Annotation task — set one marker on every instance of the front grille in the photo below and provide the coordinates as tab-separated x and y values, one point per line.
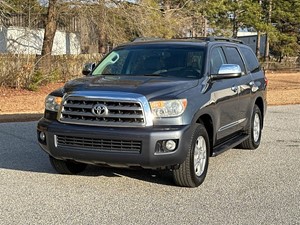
78	110
99	144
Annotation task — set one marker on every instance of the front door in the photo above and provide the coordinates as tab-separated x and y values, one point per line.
225	93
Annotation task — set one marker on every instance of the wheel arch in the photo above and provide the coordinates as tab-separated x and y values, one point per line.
260	103
207	122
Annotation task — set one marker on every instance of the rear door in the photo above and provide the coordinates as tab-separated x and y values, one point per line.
251	82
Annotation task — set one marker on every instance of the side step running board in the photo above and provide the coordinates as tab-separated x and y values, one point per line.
229	144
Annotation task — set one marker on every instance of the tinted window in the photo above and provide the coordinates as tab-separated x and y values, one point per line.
216	60
251	60
234	57
179	61
116	63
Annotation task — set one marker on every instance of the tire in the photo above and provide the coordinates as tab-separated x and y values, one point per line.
192	172
67	167
254	130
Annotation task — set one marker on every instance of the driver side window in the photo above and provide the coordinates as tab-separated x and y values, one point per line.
217	59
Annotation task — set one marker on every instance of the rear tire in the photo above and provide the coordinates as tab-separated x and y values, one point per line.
192	172
254	130
67	167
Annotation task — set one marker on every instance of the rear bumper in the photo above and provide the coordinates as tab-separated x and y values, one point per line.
147	157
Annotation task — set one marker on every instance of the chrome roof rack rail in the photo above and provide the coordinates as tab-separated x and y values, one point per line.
141	39
214	38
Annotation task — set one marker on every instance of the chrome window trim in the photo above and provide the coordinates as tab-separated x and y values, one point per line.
230	125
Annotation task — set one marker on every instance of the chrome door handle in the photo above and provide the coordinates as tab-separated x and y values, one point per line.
254	87
234	88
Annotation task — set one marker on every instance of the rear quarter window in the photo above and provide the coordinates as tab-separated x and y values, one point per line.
251	60
234	57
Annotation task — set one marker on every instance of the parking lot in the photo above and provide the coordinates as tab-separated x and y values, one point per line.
242	187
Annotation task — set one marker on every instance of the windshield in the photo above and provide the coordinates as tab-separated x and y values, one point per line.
148	60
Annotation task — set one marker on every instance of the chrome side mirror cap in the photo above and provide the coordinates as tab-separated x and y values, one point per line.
227	71
230	69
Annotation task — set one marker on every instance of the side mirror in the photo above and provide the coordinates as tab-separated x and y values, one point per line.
227	71
88	68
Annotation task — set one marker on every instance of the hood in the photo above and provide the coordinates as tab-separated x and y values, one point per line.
149	86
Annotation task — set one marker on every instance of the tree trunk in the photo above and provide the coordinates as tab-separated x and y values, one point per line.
258	36
267	51
235	25
50	29
102	30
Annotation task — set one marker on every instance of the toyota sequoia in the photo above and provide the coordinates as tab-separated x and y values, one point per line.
158	104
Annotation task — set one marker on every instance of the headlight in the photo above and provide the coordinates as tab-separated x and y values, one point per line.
170	108
52	103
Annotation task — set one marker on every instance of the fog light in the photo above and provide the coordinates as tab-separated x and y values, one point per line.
166	146
170	145
42	136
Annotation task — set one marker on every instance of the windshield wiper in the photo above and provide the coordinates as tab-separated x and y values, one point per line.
109	74
153	75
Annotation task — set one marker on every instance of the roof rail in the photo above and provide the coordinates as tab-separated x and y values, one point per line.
210	38
140	39
215	38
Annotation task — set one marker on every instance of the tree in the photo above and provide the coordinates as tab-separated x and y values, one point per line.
44	62
120	21
24	13
3	9
165	18
50	28
219	17
231	15
286	19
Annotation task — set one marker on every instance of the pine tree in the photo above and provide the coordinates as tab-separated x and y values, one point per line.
286	20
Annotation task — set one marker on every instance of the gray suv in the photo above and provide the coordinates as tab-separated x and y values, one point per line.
158	104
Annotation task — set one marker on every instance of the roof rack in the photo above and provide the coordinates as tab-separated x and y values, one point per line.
215	38
210	39
140	39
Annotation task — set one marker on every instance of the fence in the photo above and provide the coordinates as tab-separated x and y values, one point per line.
70	23
282	66
20	71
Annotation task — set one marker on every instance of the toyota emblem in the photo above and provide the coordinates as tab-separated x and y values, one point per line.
100	110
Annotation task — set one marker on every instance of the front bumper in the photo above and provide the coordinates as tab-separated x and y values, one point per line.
147	157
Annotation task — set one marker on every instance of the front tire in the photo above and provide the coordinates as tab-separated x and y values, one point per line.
254	130
67	167
192	172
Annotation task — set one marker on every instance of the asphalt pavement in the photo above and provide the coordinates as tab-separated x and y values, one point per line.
242	187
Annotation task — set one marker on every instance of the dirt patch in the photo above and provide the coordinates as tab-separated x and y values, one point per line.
24	101
283	88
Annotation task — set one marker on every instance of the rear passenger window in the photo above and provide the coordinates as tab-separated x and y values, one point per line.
251	60
234	57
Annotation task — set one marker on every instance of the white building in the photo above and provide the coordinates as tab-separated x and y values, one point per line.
20	40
